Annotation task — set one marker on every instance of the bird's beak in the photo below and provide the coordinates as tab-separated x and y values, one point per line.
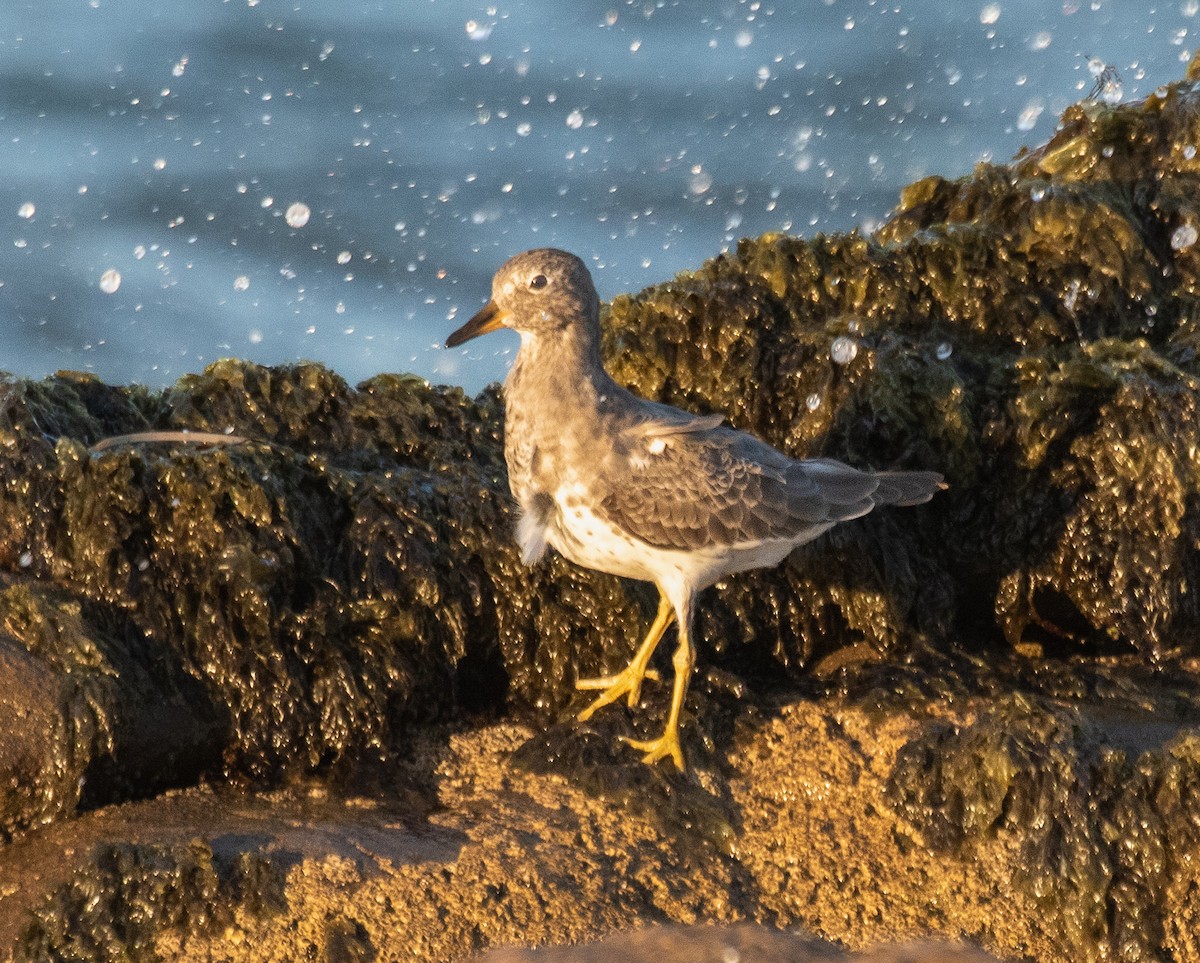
489	318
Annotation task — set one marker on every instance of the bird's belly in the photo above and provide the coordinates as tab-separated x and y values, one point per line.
588	540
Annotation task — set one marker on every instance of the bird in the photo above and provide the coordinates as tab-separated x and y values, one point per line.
636	488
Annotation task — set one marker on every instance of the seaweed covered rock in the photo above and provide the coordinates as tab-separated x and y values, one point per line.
129	894
289	605
1107	836
85	712
1107	523
1031	331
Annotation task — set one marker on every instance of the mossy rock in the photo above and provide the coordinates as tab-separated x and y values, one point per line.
1106	836
127	894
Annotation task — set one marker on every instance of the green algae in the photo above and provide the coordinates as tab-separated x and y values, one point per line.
51	627
127	894
111	695
319	596
1106	835
1108	423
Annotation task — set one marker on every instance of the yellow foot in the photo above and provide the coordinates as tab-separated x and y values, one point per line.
655	749
629	680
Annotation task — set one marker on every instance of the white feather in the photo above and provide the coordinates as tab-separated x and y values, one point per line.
531	536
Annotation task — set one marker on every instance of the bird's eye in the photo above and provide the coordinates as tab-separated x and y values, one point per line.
538	281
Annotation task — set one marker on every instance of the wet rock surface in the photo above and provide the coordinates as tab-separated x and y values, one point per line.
713	944
296	698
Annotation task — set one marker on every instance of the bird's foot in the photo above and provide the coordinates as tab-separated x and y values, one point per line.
655	749
626	682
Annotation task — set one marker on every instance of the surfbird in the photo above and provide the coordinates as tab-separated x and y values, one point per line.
644	490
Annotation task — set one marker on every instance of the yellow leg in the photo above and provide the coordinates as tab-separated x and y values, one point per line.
629	680
668	743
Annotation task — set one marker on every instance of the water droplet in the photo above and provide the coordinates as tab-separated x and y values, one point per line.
26	559
1184	237
1037	193
989	14
479	31
241	282
1071	296
297	214
110	280
813	402
575	119
1029	115
1189	152
343	257
523	129
843	350
26	210
944	350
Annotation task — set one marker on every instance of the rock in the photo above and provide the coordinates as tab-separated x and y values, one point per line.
84	722
467	853
713	944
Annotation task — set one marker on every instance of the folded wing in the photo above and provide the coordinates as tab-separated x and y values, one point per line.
697	487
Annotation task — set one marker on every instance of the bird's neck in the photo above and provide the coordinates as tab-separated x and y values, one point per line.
557	368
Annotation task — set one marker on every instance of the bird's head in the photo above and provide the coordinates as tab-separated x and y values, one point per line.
535	293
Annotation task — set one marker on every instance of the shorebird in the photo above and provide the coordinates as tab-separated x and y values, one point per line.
641	489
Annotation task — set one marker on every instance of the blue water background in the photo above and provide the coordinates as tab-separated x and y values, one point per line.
165	140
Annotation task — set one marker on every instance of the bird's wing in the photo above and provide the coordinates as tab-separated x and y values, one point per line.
712	487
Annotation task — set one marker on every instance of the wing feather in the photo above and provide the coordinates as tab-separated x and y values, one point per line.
706	486
710	486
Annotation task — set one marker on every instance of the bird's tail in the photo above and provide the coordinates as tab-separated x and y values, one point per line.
906	487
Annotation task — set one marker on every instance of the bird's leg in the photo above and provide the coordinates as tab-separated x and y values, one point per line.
668	743
630	679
